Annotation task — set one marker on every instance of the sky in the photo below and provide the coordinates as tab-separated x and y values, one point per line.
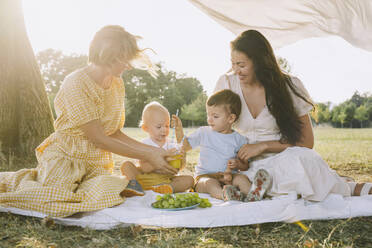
189	42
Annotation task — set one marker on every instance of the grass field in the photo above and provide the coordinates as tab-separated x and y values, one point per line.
348	151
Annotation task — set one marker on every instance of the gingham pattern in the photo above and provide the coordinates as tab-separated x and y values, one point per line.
72	174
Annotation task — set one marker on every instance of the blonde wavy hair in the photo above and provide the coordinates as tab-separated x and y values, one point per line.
149	109
112	44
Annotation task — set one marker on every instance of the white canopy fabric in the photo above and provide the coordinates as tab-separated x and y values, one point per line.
287	21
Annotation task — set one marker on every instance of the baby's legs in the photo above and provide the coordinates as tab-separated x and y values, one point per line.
129	170
211	186
182	183
242	182
133	188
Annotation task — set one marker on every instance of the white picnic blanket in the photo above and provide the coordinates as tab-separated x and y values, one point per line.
138	210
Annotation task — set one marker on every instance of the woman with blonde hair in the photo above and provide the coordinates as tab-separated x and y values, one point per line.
74	171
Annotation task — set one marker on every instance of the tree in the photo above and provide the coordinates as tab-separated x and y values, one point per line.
321	113
168	88
361	114
25	115
195	112
284	65
341	118
349	110
55	66
357	99
334	115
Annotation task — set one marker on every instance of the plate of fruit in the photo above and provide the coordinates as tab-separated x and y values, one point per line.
177	202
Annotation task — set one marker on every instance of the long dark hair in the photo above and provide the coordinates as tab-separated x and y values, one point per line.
275	82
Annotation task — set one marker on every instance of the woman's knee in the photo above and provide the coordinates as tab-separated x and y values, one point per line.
303	153
239	178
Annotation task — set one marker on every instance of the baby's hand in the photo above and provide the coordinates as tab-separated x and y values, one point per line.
233	164
176	122
227	176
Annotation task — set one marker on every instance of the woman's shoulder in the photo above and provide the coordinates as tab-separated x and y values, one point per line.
75	80
227	81
302	107
298	84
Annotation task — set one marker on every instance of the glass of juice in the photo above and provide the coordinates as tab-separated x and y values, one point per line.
177	159
176	163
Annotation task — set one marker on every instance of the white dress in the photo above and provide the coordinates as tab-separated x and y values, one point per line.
296	169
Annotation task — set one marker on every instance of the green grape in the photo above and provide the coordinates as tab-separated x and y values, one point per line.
180	201
165	204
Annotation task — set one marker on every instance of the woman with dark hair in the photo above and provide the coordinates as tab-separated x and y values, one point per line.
275	119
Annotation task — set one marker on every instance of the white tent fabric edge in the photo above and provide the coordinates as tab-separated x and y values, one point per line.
287	21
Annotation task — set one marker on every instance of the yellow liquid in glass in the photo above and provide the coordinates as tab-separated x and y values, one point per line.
177	162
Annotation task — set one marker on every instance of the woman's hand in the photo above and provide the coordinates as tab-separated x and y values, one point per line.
159	159
248	151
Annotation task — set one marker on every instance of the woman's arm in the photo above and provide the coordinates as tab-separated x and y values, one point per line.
307	137
146	167
252	150
306	140
123	145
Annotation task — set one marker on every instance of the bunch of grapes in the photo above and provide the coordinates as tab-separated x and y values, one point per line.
180	201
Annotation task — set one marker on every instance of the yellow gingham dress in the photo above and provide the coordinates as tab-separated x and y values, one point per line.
72	175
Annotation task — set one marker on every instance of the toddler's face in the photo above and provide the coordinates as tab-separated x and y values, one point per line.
219	119
158	126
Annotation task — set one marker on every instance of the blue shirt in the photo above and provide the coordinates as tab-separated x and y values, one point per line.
215	149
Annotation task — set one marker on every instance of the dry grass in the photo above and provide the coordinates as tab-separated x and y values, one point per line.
347	151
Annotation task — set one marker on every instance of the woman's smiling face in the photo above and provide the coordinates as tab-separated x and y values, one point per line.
243	67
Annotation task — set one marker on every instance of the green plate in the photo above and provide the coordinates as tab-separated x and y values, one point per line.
176	209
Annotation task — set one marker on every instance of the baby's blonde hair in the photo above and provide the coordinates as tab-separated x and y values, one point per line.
154	105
